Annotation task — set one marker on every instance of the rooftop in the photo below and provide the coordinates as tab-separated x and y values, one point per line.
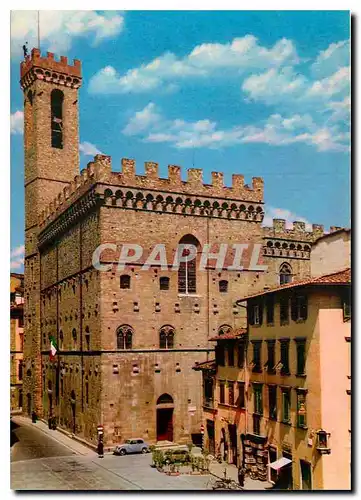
232	335
339	278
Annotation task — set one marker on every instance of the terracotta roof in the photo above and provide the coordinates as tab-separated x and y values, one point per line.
205	365
339	278
234	334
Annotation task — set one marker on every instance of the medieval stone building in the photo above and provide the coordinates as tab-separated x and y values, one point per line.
127	340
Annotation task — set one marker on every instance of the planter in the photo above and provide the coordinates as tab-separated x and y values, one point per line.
173	473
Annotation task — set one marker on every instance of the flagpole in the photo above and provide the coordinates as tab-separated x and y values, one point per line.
39	29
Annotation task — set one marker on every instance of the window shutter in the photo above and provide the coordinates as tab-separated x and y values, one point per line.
294	315
260	306
304	307
250	313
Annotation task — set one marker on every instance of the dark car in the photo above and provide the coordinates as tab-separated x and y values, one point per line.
136	445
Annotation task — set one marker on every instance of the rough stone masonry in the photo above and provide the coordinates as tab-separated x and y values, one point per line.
127	341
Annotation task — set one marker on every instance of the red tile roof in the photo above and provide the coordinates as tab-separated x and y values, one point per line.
205	365
233	334
340	278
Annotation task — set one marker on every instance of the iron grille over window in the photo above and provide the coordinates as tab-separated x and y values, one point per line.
124	337
166	337
57	98
223	286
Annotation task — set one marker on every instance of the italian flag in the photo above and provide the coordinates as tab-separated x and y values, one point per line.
53	348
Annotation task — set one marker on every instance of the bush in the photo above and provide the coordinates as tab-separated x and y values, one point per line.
158	458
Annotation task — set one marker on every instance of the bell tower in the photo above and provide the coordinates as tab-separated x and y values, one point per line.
51	156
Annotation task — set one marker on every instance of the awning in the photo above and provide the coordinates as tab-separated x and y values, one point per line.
278	464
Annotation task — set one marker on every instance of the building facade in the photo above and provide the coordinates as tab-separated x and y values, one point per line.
16	340
277	395
127	340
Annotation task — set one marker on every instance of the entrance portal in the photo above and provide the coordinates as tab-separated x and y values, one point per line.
164	424
165	408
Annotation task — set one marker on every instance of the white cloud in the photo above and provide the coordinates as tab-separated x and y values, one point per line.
275	85
331	85
17	258
287	215
17	122
142	120
89	149
277	130
329	60
59	28
239	56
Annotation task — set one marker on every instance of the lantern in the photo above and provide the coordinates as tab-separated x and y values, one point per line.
322	442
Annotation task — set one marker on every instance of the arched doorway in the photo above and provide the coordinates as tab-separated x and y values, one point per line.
165	408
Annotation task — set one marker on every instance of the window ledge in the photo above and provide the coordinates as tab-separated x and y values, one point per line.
272	419
285	374
271	324
303	427
300	320
286	422
301	375
195	295
284	323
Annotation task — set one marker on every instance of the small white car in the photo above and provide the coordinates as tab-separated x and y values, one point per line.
136	445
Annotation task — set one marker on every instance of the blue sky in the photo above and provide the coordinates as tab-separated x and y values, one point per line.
259	93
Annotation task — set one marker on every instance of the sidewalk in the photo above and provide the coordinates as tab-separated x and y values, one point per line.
61	436
217	469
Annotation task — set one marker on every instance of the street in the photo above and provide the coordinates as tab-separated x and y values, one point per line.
42	459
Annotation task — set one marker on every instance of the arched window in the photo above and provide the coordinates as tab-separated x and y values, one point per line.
87	338
285	273
223	286
166	337
125	281
57	99
124	337
224	329
164	283
187	273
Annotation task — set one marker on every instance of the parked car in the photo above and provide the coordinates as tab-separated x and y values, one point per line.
136	445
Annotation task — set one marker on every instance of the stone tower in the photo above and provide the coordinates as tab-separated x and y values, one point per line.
51	156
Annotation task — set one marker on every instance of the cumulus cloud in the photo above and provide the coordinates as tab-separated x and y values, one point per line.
237	57
142	120
89	149
276	130
58	29
282	213
329	60
17	258
17	122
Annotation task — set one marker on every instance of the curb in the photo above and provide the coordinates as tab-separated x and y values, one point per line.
72	436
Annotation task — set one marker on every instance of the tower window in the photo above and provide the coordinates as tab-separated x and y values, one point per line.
223	286
57	99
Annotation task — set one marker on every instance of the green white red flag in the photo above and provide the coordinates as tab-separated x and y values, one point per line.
53	348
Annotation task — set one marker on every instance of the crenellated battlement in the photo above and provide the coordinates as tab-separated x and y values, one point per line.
95	171
49	69
193	185
297	232
198	199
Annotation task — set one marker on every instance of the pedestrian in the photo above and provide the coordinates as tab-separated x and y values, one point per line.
34	417
100	449
241	475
